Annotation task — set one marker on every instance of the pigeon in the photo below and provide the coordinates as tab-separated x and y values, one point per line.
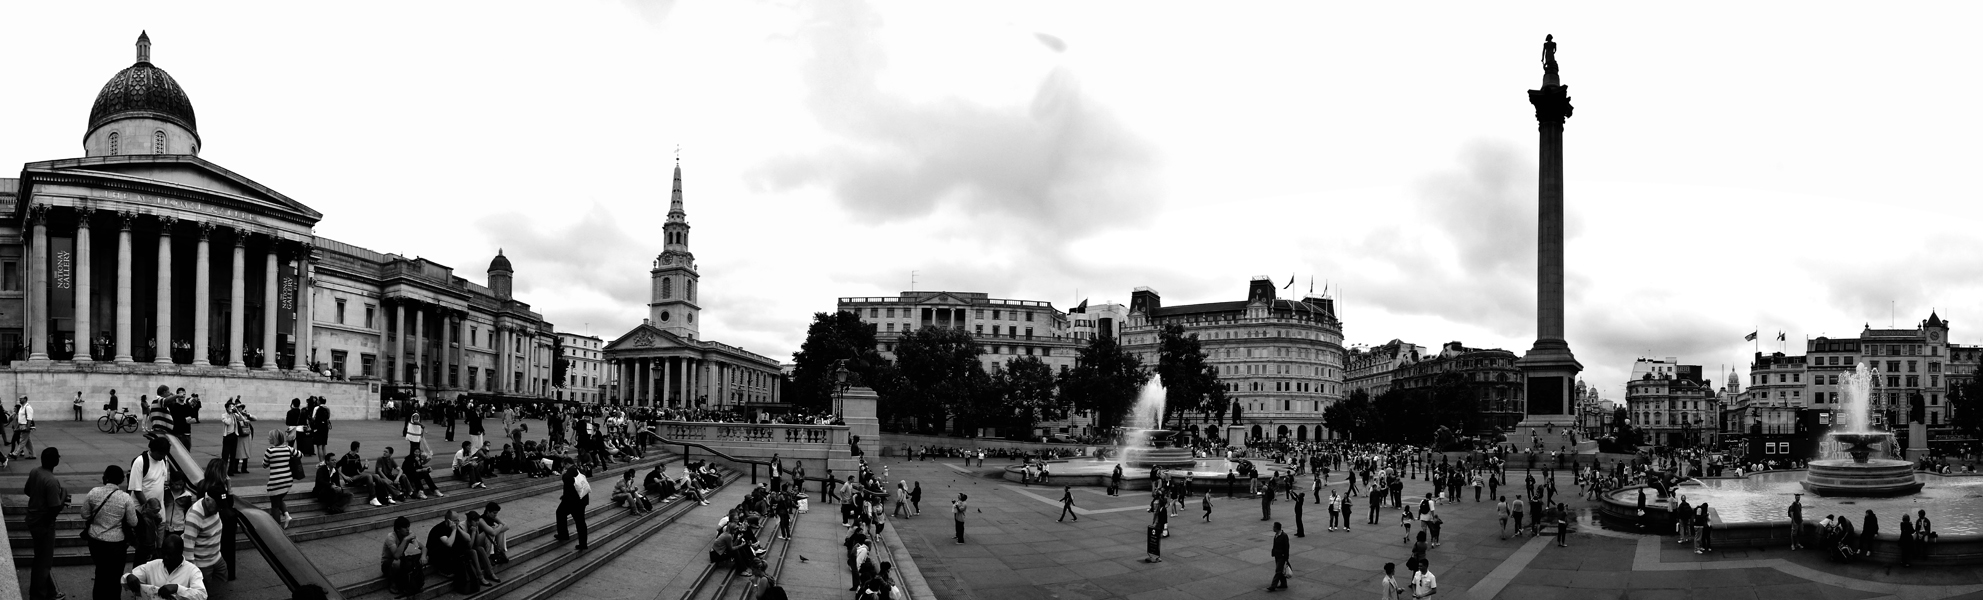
802	558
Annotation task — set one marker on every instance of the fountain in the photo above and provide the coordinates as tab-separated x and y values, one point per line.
1145	443
1861	475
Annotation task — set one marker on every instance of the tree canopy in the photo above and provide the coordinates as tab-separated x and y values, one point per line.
1190	384
1104	381
833	337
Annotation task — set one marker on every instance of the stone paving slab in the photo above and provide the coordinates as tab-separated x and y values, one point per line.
1018	549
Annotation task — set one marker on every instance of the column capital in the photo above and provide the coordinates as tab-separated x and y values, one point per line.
165	224
241	238
83	214
206	229
38	214
124	219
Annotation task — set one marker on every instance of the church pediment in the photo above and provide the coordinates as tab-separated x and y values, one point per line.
179	182
942	299
647	337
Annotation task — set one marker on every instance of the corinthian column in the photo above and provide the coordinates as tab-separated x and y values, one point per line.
398	341
419	346
237	301
124	286
162	343
38	285
85	334
270	283
202	297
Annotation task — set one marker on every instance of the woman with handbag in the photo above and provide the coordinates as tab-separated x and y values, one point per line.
110	513
415	433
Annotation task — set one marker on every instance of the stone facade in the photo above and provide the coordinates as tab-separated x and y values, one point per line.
1281	360
1490	374
142	264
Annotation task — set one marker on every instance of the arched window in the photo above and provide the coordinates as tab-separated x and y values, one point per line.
667	288
113	143
158	142
688	287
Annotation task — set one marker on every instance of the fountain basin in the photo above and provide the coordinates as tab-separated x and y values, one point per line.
1096	473
1873	478
1144	458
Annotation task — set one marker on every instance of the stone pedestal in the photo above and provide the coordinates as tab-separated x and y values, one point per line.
1917	441
856	406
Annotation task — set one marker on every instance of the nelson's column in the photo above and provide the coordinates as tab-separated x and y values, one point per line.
1549	368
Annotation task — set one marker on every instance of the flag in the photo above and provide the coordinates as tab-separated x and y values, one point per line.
1290	282
1083	308
1749	338
1779	336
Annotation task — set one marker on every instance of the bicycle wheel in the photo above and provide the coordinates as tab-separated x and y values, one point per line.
106	425
131	425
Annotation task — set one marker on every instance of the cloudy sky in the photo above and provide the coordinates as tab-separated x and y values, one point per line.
1731	167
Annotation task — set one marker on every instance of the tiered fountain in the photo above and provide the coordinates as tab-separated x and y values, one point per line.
1861	475
1145	443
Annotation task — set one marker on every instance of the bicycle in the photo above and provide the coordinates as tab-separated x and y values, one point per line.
123	419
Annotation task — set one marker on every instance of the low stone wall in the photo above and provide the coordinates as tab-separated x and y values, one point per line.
52	385
818	447
892	444
1946	550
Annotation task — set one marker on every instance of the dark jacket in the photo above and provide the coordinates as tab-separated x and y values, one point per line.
571	488
1280	544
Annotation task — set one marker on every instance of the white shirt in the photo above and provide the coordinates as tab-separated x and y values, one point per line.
149	481
152	575
1423	583
26	414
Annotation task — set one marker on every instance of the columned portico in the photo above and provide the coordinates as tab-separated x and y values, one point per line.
398	342
38	333
419	346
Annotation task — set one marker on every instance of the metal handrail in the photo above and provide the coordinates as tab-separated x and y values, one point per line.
289	563
752	462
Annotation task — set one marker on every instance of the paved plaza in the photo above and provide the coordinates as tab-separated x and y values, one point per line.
1016	550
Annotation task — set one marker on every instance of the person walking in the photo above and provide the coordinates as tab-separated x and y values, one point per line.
1115	480
1562	526
1280	554
1376	503
1501	510
108	509
1519	507
1067	503
957	508
1387	587
1906	540
282	462
1206	502
23	429
578	491
915	496
46	501
1703	529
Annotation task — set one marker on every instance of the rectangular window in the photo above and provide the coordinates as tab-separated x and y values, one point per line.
1796	377
980	330
1913	381
337	363
1029	330
454	376
471	342
1029	316
367	364
340	311
472	372
1893	366
1910	366
994	314
891	328
10	276
891	313
874	313
371	312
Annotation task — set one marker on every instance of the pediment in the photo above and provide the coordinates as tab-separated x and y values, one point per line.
176	178
646	337
942	298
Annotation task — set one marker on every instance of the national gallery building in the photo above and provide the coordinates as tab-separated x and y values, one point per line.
141	264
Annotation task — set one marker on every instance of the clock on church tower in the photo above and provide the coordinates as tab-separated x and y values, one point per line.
673	278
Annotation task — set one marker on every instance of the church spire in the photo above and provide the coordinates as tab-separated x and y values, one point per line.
144	47
675	213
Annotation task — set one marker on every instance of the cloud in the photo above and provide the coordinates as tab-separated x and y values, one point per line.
654	12
1025	178
1051	42
565	260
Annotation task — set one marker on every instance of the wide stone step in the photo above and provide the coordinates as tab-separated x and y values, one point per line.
718	579
359	516
533	561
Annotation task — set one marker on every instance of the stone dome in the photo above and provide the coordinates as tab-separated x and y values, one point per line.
500	263
145	91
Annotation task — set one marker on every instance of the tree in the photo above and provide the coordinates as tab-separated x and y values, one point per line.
1104	380
833	337
560	365
939	376
1966	409
1181	366
1026	395
1354	416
